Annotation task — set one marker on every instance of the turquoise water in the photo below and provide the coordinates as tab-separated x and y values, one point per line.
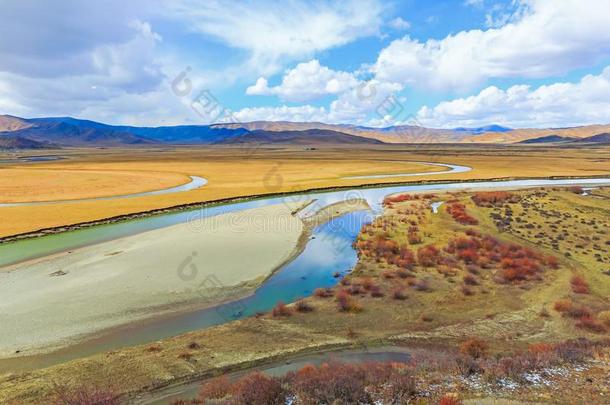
329	251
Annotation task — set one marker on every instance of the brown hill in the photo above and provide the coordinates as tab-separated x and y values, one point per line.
519	135
395	134
8	123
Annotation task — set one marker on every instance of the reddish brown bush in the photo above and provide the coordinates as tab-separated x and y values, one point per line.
450	400
466	290
84	395
399	294
563	305
428	256
376	292
303	306
589	323
458	212
185	356
579	285
345	303
323	292
421	285
576	189
469	279
281	309
474	348
258	389
494	198
193	346
153	348
215	388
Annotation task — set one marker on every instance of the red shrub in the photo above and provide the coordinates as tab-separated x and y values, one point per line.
83	395
450	400
588	322
474	347
579	285
399	294
494	198
215	388
469	279
303	306
281	309
428	256
258	389
421	285
345	303
458	212
323	292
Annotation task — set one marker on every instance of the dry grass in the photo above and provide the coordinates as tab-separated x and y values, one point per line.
237	172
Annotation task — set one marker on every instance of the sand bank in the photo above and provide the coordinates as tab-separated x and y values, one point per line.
50	301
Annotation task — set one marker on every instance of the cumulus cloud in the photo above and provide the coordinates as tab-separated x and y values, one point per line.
400	24
273	33
283	113
540	38
306	81
561	104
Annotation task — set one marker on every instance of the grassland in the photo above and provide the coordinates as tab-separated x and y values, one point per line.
239	172
403	292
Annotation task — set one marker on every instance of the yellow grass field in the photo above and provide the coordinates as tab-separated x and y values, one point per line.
237	172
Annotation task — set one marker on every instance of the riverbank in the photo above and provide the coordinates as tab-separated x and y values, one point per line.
49	302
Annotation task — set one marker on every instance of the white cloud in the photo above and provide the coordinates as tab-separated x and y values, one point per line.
540	38
283	113
555	105
307	81
274	33
400	24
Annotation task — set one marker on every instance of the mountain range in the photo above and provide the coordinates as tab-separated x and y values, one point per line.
35	133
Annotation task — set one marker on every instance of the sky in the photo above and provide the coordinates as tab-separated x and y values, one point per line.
444	64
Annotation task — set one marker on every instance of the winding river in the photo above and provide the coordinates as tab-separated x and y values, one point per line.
195	183
329	251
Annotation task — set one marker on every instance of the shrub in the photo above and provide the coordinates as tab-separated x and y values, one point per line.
323	292
153	348
376	292
421	285
469	279
467	290
450	400
579	285
589	323
346	303
428	256
563	305
459	214
281	309
215	388
193	346
258	389
474	347
303	306
399	294
185	356
494	198
84	395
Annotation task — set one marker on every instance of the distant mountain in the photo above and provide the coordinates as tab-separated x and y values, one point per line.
8	123
599	138
18	142
394	134
549	139
68	131
482	130
518	135
66	134
306	137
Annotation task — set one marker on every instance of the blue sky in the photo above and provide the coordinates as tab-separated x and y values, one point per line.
520	63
